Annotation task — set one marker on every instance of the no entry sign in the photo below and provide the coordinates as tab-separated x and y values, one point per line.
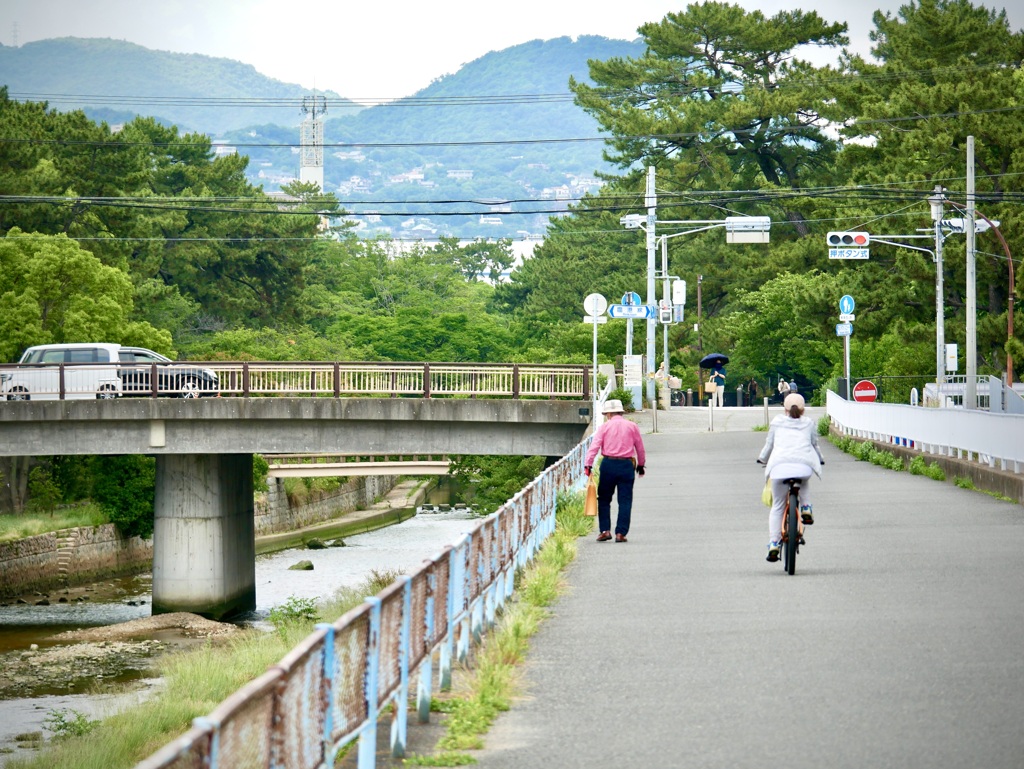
865	391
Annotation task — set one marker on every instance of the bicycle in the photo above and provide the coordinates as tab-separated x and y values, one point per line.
793	474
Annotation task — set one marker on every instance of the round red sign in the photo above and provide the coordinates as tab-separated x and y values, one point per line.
865	391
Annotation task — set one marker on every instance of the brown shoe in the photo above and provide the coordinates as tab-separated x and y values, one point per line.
620	537
604	536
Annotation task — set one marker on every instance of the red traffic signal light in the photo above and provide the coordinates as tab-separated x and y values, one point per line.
848	239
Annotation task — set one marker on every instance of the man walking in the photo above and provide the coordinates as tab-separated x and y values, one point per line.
622	450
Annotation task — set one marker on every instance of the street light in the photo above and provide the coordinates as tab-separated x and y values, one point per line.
739	229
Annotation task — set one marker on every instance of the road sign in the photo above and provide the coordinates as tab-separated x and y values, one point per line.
631	298
847	317
641	312
844	329
595	304
846	304
865	391
632	370
595	319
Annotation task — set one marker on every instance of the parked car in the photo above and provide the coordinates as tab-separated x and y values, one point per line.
101	370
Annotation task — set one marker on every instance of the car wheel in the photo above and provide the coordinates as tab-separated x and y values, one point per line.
106	393
189	388
18	394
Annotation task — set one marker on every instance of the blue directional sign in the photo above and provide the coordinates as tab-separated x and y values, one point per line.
641	311
846	304
844	329
631	298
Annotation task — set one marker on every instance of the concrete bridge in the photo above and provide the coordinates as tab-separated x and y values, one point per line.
204	538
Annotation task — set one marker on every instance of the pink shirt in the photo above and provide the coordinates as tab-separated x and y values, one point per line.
618	438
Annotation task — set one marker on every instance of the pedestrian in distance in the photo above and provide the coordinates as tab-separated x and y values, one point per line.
752	389
792	438
718	377
621	447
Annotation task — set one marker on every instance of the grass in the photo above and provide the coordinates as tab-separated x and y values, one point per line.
195	682
14	527
493	682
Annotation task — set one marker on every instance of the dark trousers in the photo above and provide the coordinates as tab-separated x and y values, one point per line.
617	476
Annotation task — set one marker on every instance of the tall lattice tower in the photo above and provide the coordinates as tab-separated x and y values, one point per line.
311	168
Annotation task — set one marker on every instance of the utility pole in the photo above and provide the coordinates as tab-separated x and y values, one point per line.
651	201
971	395
936	201
700	344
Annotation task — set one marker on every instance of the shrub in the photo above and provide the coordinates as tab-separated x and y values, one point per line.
824	423
293	610
624	395
66	723
917	466
963	483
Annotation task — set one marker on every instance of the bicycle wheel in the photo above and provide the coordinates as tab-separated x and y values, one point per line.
792	543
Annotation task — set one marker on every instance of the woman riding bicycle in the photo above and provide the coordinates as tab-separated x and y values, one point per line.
792	438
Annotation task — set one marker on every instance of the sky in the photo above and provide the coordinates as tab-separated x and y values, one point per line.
369	51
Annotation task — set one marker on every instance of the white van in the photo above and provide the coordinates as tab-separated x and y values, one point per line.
63	371
99	370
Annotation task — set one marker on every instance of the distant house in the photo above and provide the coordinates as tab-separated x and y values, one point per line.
460	174
490	220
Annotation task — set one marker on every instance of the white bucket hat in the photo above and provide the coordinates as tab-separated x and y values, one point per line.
613	407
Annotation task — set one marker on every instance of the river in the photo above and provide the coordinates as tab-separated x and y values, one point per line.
402	547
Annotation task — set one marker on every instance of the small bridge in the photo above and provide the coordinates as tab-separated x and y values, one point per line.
204	537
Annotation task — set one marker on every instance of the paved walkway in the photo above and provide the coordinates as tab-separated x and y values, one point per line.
897	643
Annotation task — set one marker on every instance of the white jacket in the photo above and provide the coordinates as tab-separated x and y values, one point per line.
792	440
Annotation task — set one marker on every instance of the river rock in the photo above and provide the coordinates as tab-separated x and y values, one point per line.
301	566
337	543
315	544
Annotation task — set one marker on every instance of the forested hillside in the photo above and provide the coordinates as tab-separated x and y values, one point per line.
519	94
115	80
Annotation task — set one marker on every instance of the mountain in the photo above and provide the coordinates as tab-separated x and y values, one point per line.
502	128
114	80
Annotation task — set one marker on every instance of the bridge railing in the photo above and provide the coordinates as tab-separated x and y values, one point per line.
993	439
306	378
334	687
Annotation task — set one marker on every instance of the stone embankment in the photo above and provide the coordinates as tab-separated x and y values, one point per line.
86	554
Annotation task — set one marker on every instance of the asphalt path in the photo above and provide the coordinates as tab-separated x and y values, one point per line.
898	643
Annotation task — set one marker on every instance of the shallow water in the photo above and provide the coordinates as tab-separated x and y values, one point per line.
402	547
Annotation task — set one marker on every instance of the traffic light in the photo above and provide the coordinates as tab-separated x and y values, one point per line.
665	312
849	239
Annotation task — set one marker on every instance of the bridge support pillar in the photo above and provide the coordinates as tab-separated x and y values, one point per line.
204	539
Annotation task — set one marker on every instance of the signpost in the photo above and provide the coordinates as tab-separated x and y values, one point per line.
865	391
845	330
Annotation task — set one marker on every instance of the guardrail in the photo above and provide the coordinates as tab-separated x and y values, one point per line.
333	688
991	438
307	378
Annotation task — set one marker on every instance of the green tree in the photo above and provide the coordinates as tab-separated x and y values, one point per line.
719	101
125	488
52	291
942	74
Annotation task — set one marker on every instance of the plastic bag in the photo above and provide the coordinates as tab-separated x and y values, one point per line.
590	506
766	494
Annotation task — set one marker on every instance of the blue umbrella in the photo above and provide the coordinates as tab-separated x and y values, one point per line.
713	359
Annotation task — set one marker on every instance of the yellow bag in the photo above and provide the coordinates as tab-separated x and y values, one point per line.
766	494
710	387
590	506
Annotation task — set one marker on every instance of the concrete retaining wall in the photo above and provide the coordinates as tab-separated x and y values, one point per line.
70	556
86	554
274	513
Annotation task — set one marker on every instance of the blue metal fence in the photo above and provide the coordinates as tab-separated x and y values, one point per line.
334	686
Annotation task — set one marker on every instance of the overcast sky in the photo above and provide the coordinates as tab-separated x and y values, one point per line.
375	50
